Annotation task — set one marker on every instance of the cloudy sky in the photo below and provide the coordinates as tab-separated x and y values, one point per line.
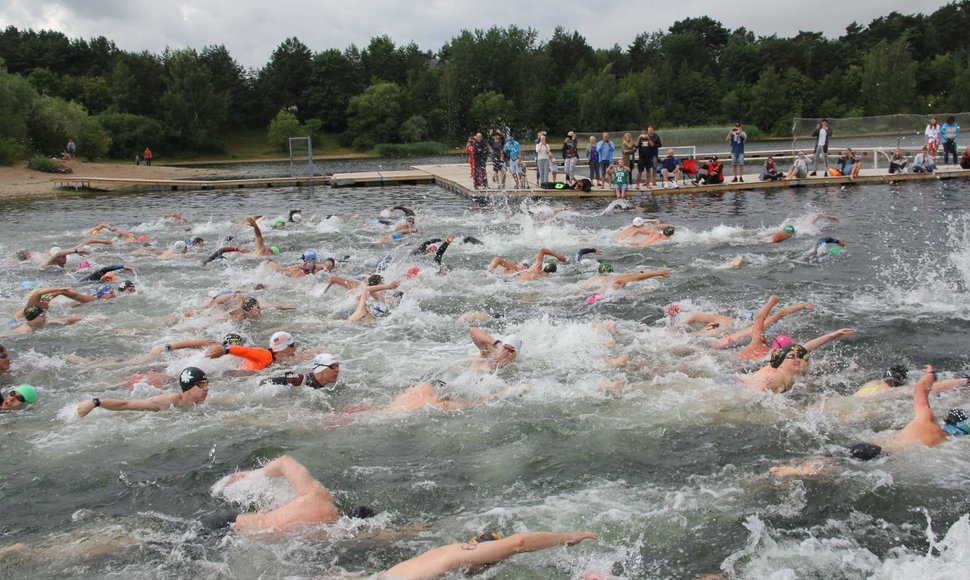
251	29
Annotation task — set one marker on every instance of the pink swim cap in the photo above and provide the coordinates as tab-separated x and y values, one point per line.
673	310
142	238
412	272
84	265
782	341
594	298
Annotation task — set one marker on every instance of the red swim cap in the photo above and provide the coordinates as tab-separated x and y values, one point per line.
673	310
412	272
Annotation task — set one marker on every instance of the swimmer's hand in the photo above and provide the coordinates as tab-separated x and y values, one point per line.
85	407
233	478
843	332
215	351
664	272
157	349
577	537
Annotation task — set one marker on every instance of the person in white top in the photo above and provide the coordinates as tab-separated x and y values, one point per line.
932	133
543	158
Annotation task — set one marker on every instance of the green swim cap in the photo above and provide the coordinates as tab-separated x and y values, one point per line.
835	249
275	250
280	222
605	268
27	392
789	228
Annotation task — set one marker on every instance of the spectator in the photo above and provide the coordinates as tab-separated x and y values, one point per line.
480	150
850	163
737	137
470	150
147	156
570	155
923	162
932	133
670	165
898	161
965	160
628	150
72	147
511	150
543	158
950	131
606	149
593	155
497	145
770	170
713	173
799	168
649	145
619	177
822	135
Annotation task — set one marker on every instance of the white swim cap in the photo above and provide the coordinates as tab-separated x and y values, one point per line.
54	250
280	340
638	221
324	360
513	341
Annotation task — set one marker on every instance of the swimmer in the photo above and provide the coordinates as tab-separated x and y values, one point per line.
282	347
175	217
404	228
653	236
956	423
235	305
102	292
479	553
21	255
764	319
178	248
261	249
192	380
922	427
782	234
220	254
782	369
58	257
828	245
896	375
493	354
639	226
607	280
324	375
424	395
307	267
18	397
522	270
438	246
313	504
36	318
5	359
365	310
296	216
122	235
105	274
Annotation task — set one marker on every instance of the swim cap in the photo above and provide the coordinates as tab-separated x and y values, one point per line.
778	355
375	279
594	298
550	268
102	290
27	392
668	231
789	228
412	272
396	236
605	268
781	341
280	222
275	250
835	249
33	311
54	250
638	221
84	265
361	512
23	254
865	451
127	285
485	537
296	217
190	377
954	416
324	360
895	375
250	304
142	238
309	255
180	246
513	341
197	241
433	248
280	340
233	339
673	310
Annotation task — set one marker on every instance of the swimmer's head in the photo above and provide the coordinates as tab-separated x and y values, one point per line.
55	250
279	223
668	231
180	246
361	512
781	341
32	312
835	249
414	271
792	351
895	375
27	392
433	248
192	377
127	286
280	341
955	417
512	342
196	241
274	250
23	255
103	290
84	265
594	298
309	255
673	310
233	339
865	451
789	229
375	280
638	221
605	268
142	238
332	262
250	304
397	236
297	217
486	536
550	268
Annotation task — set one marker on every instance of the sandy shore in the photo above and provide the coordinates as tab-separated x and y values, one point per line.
18	181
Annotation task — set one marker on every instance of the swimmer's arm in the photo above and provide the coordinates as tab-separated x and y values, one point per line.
90	241
543	252
380	287
791	309
921	395
34	298
154	404
825	216
949	384
341	281
78	297
180	344
483	340
841	333
299	477
67	320
62	254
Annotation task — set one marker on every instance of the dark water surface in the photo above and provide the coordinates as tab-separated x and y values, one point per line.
670	467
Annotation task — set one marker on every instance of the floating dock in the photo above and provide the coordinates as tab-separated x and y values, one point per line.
187	184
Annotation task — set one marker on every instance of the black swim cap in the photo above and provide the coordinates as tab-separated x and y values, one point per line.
895	375
668	231
778	355
550	268
361	512
33	311
250	304
232	338
865	451
375	279
486	536
190	377
954	416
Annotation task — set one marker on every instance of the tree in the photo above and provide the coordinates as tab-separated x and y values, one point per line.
281	128
888	78
17	101
190	106
228	79
335	78
282	82
54	121
570	55
375	115
491	109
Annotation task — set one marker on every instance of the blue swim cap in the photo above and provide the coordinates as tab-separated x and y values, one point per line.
789	228
102	290
396	236
309	254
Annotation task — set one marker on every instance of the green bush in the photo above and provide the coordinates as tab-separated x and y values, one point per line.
130	134
281	128
46	164
10	151
422	148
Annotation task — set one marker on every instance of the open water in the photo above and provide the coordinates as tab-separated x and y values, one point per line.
668	466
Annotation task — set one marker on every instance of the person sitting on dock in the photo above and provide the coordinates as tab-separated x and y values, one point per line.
522	270
898	161
669	165
849	164
581	184
712	174
924	162
965	160
799	169
770	170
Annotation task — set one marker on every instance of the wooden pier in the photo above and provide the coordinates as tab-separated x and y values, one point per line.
187	184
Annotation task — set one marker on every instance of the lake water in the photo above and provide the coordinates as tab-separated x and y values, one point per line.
670	467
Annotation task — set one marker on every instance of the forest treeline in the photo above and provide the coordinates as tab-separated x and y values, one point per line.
114	103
